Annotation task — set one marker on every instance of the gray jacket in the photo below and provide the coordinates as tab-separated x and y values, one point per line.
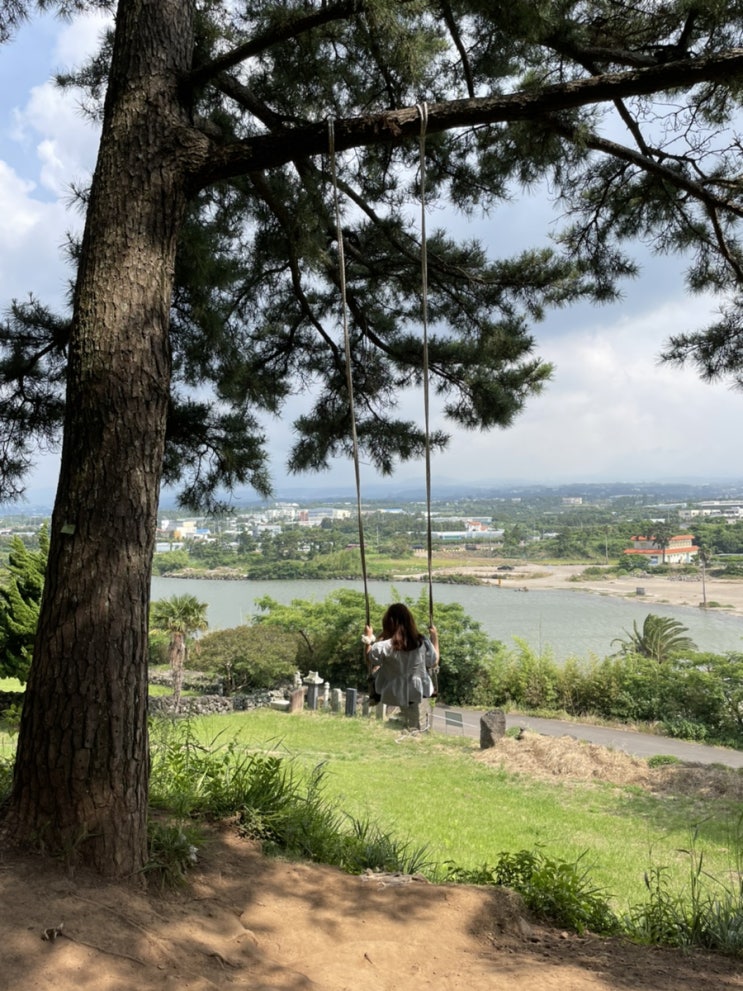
403	676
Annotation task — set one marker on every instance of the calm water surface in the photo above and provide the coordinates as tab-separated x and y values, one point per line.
570	624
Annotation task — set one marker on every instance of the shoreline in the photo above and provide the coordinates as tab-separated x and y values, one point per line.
722	595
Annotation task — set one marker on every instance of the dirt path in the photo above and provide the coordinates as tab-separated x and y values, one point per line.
249	922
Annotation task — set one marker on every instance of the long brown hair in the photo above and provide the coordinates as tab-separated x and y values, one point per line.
398	625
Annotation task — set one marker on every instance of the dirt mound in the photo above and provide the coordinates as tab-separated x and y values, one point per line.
549	758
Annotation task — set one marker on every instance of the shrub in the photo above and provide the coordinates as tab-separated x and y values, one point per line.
250	658
553	889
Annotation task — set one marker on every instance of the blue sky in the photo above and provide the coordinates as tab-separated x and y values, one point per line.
610	414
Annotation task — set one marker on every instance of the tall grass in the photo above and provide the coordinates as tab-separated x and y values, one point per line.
270	798
465	811
292	790
358	794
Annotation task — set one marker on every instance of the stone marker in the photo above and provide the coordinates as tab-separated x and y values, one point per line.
335	699
296	700
313	682
351	701
492	728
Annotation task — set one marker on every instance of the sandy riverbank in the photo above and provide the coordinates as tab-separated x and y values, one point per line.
724	594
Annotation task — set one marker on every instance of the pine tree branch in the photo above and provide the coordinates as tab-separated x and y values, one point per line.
397	126
456	37
291	28
650	165
279	211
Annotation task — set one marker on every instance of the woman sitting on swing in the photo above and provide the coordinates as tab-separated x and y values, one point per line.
402	662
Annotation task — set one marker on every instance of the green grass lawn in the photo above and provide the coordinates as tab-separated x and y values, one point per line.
429	790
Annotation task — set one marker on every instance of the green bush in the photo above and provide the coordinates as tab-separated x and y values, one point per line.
249	658
172	849
268	799
11	717
169	561
6	778
553	889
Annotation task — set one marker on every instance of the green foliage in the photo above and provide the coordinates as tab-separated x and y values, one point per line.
20	598
663	760
252	301
11	718
6	777
269	799
172	849
158	644
167	562
698	696
331	630
180	616
534	677
249	658
661	637
706	913
554	889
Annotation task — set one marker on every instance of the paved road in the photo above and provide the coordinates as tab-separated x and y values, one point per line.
637	744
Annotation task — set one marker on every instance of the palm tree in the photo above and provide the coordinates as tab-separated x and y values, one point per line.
660	638
179	616
704	557
662	538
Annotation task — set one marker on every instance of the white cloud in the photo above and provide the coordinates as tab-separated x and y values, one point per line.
52	145
31	235
65	142
80	38
612	412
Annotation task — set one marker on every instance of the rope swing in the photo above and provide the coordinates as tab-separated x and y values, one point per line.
423	113
349	371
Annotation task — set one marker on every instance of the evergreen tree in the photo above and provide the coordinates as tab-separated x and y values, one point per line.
20	597
207	284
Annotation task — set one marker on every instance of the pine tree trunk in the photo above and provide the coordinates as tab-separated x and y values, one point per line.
81	779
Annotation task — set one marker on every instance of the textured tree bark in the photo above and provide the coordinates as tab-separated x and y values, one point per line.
81	779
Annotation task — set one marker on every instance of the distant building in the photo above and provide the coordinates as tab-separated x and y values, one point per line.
731	512
314	517
680	550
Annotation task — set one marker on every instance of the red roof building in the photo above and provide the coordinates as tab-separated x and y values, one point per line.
680	550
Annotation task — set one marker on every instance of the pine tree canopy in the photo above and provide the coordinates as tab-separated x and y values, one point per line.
627	114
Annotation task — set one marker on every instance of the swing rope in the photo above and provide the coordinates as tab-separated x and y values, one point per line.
349	372
423	112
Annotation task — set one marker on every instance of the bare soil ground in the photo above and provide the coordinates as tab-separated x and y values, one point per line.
246	921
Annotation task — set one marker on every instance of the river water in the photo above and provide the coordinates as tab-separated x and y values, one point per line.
568	623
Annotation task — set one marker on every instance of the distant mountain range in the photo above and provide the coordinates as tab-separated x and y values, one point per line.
40	502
